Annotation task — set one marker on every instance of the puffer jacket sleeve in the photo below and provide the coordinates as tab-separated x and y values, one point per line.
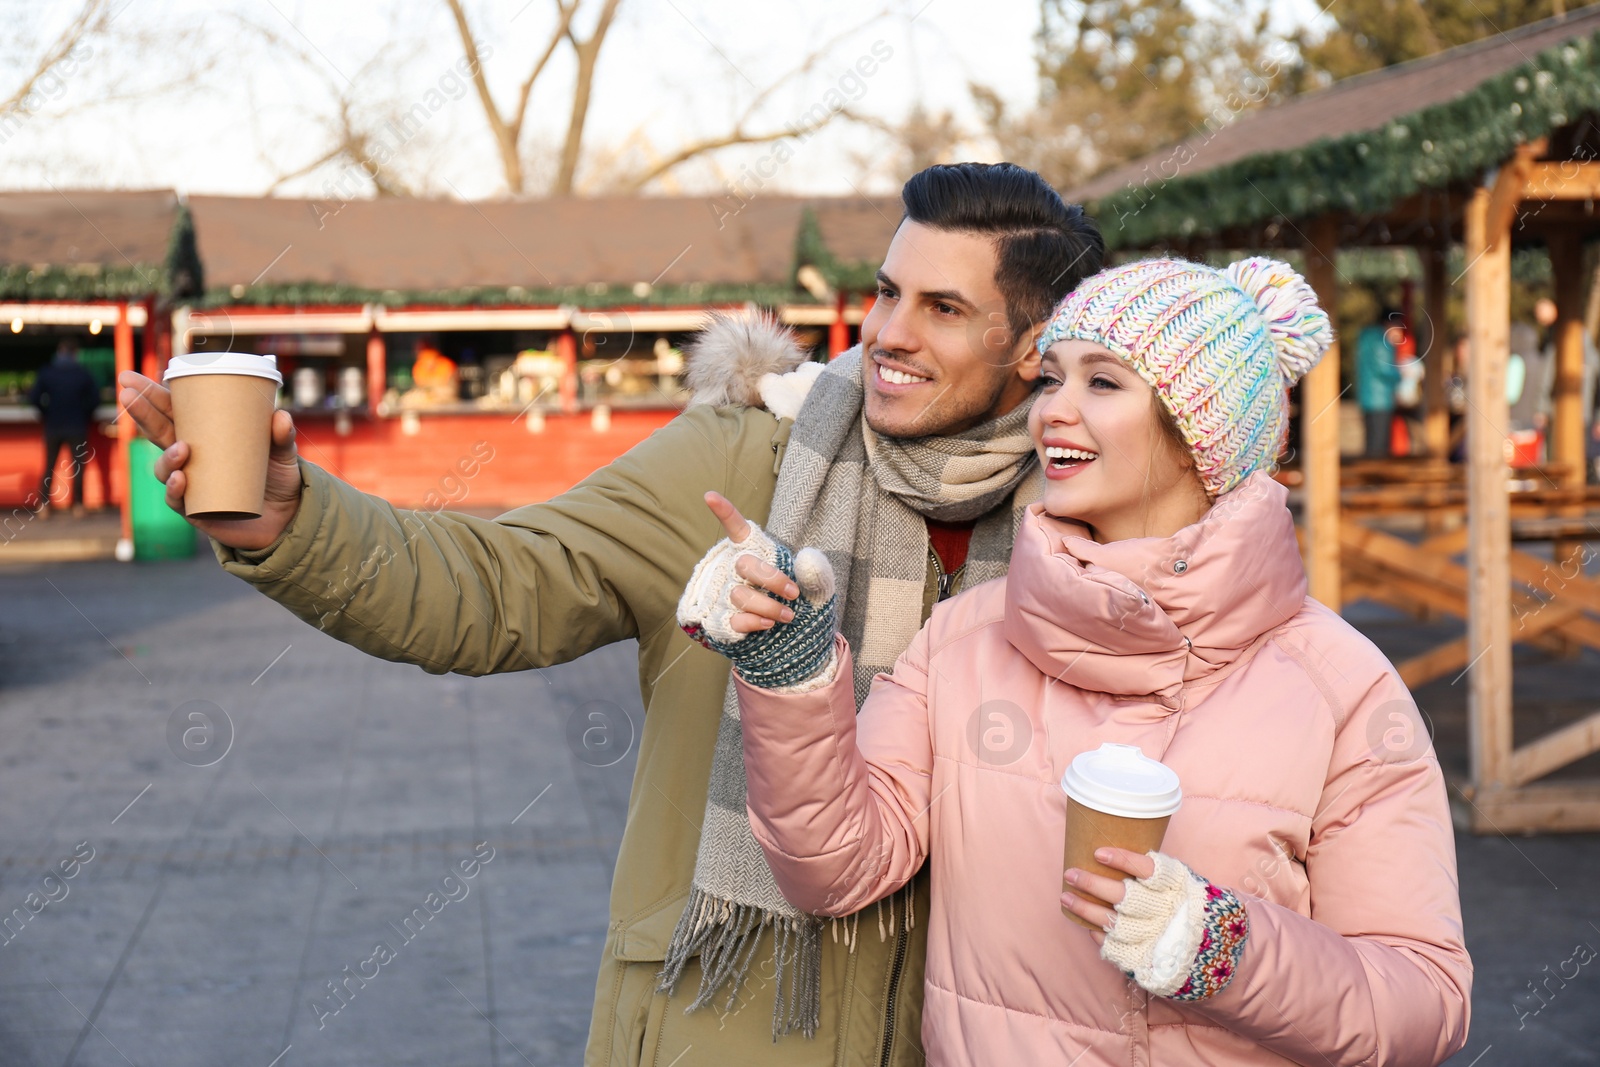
1380	973
839	802
540	585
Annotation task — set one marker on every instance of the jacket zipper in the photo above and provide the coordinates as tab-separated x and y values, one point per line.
947	579
894	993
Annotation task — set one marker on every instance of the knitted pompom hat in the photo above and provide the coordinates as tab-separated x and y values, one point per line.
1220	347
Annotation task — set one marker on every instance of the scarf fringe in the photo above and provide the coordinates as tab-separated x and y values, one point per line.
725	936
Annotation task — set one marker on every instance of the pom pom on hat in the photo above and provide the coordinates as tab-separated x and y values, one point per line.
1301	332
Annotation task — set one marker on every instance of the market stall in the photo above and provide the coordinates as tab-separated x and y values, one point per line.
1484	148
91	271
551	333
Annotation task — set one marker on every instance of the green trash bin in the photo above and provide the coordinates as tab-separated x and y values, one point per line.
158	531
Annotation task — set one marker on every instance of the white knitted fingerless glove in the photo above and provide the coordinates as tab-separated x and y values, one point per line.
1176	934
789	654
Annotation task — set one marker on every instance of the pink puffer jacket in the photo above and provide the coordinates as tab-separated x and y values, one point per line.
1310	789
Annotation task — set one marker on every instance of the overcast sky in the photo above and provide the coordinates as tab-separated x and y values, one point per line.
672	70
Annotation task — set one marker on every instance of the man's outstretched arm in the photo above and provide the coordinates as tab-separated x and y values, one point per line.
540	585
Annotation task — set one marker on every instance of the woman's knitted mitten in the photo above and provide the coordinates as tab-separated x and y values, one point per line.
1176	934
789	653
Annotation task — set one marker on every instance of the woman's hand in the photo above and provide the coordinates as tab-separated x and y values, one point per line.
756	609
1168	928
1135	864
768	609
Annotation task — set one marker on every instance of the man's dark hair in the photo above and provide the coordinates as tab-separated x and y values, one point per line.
1044	246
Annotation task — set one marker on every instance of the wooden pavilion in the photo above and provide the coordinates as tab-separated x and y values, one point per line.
1489	147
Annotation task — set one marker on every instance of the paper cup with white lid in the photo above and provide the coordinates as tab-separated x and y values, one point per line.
1116	797
222	405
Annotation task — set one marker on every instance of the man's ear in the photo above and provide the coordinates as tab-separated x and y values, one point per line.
1027	358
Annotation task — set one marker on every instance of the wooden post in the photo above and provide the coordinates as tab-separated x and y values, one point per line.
1566	418
122	347
1488	256
838	330
567	349
1319	426
1440	356
150	364
377	370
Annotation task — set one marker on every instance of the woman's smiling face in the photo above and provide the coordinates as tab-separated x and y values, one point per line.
1109	462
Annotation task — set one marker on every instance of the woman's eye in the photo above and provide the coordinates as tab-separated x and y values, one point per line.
1099	379
1050	381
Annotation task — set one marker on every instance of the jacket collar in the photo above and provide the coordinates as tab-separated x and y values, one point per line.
1146	616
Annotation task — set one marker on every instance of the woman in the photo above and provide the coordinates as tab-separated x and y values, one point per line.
1155	598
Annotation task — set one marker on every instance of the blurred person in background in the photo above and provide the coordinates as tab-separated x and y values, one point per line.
1377	378
66	395
1545	313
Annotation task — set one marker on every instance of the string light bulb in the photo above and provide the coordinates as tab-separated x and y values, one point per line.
16	325
94	327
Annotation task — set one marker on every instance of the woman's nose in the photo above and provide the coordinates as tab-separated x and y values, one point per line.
1056	409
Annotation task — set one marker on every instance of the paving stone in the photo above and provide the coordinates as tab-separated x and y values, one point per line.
217	907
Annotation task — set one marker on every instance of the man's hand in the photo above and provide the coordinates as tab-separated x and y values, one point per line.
150	405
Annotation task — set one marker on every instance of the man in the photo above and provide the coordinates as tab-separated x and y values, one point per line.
66	395
982	256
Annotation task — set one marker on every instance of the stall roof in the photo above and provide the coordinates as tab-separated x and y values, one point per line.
598	251
84	244
1363	144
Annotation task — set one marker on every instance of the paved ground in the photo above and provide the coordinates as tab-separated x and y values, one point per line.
221	900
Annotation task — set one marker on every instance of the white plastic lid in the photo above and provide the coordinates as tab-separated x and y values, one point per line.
223	363
1121	780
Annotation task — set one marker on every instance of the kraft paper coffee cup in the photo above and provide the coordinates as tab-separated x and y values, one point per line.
222	405
1118	797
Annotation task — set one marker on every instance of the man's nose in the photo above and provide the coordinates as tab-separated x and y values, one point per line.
897	334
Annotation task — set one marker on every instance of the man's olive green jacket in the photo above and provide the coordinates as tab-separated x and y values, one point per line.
545	584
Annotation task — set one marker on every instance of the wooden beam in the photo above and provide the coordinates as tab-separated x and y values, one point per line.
1556	749
1560	580
1571	807
1446	544
1567	415
1319	425
1438	358
1488	278
1509	185
1566	180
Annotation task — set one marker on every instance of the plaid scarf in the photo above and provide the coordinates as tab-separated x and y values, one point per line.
861	499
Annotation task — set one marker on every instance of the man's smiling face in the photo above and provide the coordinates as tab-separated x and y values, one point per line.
938	356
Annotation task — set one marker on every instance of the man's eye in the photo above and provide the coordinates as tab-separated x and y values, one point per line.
885	293
945	309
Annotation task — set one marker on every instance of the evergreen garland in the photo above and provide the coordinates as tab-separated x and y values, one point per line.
596	296
96	282
845	275
1363	173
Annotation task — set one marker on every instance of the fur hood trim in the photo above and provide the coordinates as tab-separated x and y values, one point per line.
733	353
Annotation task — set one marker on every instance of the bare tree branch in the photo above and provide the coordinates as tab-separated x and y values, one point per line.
508	132
587	52
632	183
93	18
